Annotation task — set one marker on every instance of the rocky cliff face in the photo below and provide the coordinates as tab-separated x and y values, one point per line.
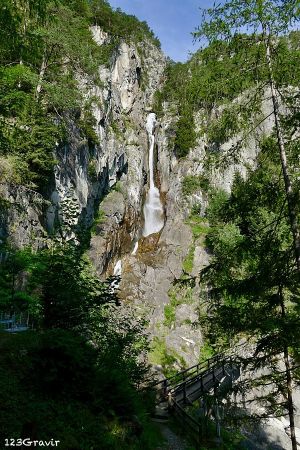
104	186
151	279
84	175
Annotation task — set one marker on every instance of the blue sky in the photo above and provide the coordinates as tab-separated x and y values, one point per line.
171	20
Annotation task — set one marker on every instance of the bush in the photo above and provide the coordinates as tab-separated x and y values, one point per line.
194	183
185	138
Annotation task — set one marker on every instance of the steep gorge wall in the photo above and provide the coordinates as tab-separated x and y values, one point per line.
151	279
85	174
104	185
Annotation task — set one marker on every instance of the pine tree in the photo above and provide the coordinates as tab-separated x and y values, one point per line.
253	277
265	20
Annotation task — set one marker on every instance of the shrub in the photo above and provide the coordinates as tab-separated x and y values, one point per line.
194	183
185	138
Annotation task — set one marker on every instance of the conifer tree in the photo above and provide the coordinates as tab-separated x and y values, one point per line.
265	21
252	276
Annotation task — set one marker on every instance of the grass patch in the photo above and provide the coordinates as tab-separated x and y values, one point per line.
188	263
178	295
206	352
99	219
169	359
198	224
170	315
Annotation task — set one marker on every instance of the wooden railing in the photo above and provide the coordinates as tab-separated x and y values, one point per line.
186	375
178	390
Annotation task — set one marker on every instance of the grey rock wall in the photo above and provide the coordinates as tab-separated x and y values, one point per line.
83	176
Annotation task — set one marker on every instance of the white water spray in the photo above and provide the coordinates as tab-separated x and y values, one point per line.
135	249
153	209
118	269
117	273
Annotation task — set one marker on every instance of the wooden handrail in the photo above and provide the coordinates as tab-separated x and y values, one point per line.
194	425
197	368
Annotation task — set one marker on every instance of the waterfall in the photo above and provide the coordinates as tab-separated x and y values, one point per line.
117	273
118	269
135	249
153	209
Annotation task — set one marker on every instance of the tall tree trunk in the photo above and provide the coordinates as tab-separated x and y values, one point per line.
288	379
283	158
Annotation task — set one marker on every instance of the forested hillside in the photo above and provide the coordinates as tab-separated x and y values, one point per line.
45	46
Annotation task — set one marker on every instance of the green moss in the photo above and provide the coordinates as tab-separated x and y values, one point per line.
189	260
170	315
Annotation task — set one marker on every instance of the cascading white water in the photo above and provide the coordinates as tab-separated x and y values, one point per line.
153	209
117	273
118	269
135	248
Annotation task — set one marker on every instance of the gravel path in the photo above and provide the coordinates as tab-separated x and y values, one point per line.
173	441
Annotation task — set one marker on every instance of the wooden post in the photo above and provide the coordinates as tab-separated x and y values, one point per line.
165	387
218	425
184	392
200	433
170	403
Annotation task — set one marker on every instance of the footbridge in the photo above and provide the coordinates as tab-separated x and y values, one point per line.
175	394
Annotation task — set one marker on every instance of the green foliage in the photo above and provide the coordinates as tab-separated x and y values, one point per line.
226	20
81	366
14	170
60	286
119	24
198	224
185	133
87	126
207	351
167	358
99	219
188	263
218	200
170	315
48	47
92	170
193	183
253	258
62	376
223	128
218	74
